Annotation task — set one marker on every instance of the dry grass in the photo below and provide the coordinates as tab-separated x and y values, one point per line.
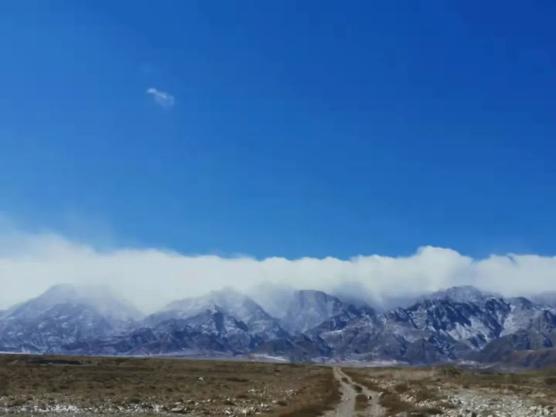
390	399
426	391
205	387
324	395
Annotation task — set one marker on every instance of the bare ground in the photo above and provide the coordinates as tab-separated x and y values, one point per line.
112	386
456	392
85	386
348	406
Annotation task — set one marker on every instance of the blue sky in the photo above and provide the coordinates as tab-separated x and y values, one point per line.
296	128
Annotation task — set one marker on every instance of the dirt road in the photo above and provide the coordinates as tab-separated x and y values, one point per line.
350	390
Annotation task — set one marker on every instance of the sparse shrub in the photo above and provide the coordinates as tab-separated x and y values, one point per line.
393	403
17	402
236	379
451	371
4	385
401	388
426	412
425	394
361	402
551	380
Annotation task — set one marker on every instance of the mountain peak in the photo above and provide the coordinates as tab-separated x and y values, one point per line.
227	300
460	294
314	295
59	293
309	308
455	323
547	298
102	299
221	298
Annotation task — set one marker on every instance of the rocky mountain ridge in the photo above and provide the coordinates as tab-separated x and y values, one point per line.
460	323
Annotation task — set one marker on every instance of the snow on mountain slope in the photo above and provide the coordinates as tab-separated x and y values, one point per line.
547	299
458	323
459	294
99	298
309	308
348	332
209	330
464	322
467	320
222	321
229	302
521	314
64	316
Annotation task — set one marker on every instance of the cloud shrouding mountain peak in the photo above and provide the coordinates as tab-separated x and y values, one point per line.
99	297
151	278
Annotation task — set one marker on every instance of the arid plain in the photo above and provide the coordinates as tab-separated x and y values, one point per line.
84	386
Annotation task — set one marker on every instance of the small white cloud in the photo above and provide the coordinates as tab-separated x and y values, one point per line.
162	98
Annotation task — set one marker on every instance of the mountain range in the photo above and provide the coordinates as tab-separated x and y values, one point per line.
457	324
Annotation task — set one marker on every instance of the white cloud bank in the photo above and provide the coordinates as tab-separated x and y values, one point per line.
162	98
30	263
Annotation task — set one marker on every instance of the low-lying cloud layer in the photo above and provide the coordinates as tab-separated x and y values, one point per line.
30	263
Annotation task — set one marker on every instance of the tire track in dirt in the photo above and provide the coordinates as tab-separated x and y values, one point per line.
346	406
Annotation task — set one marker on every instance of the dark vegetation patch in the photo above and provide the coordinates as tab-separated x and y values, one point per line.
401	388
425	412
394	403
53	361
361	402
551	380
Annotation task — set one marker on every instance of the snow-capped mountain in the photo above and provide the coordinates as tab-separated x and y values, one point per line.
459	294
229	303
466	322
462	322
547	299
209	331
457	323
309	308
447	325
221	323
102	299
349	333
63	318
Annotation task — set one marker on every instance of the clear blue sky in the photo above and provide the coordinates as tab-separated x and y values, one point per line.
299	128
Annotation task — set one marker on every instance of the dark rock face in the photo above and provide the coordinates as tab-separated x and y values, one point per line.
459	323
